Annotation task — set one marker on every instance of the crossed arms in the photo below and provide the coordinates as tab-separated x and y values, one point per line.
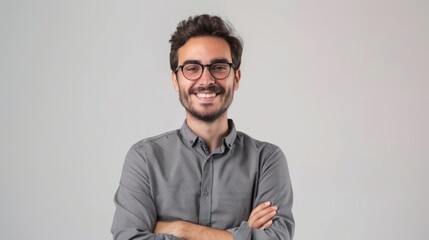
260	218
137	209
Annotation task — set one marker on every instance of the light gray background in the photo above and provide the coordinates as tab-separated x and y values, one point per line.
341	86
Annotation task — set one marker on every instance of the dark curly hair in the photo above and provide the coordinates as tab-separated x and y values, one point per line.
205	25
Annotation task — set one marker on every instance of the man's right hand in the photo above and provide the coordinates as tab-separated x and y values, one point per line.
261	216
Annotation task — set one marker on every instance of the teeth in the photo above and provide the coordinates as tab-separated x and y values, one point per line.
206	95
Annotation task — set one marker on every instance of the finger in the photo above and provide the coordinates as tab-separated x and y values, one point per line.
264	219
260	207
258	222
263	212
267	224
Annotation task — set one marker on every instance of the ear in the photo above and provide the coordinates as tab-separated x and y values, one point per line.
237	78
175	81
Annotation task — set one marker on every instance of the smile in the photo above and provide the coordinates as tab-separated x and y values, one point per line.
206	95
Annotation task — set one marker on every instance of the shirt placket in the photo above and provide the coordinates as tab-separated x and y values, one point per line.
206	191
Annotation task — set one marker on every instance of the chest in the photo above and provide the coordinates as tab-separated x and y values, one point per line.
213	191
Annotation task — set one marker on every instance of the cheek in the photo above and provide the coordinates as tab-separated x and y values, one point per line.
184	88
231	86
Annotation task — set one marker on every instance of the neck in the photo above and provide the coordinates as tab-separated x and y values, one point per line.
211	132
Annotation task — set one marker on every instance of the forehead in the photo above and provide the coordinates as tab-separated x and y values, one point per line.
204	49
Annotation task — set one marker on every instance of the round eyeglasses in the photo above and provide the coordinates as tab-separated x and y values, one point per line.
193	71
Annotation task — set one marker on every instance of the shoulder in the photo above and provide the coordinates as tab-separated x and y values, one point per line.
270	156
157	142
255	144
152	147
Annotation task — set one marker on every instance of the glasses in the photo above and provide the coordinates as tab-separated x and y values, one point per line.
193	71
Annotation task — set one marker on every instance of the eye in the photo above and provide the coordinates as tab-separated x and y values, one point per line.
191	68
220	67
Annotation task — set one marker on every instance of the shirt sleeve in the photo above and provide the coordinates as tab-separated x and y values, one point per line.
135	216
274	185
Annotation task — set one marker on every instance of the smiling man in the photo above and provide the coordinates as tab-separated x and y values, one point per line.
205	180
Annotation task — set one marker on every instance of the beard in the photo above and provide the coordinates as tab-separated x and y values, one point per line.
206	116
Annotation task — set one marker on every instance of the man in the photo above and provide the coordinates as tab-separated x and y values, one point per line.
205	180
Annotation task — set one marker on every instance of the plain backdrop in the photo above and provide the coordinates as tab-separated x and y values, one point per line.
340	85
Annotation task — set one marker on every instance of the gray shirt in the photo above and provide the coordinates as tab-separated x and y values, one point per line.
174	177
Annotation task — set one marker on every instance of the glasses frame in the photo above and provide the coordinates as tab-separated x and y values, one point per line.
203	66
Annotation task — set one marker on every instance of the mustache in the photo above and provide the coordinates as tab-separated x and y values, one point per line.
210	88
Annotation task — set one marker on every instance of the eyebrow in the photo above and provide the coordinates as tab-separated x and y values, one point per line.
219	60
191	62
216	60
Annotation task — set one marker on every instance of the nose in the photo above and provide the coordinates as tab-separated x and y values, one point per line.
206	77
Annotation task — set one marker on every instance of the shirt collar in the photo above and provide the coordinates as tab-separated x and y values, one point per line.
229	139
190	138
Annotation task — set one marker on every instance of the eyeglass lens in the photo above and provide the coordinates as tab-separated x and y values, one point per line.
194	71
